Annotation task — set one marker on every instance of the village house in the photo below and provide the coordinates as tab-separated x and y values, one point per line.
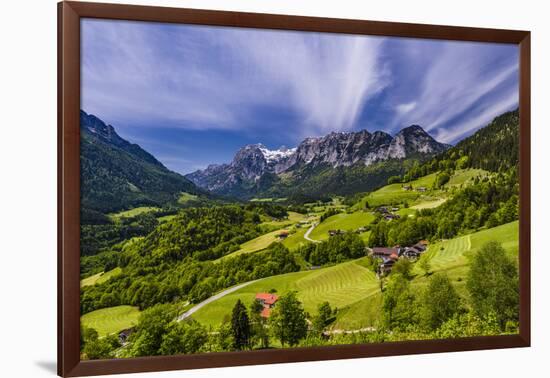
335	232
384	252
415	251
407	187
390	217
421	189
267	300
283	234
382	210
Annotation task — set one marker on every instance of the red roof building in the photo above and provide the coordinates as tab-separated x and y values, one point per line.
384	252
268	301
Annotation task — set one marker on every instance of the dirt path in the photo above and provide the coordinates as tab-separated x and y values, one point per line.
306	235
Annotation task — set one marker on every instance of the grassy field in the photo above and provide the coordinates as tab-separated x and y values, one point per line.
133	212
342	221
100	277
428	204
296	239
292	218
166	218
451	256
257	244
111	320
394	193
465	176
340	285
268	199
186	197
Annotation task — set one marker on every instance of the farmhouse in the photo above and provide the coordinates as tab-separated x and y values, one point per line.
283	234
268	301
335	232
407	187
387	264
383	252
390	216
421	189
382	210
410	253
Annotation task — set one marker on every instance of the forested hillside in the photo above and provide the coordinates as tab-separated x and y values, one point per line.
494	148
116	174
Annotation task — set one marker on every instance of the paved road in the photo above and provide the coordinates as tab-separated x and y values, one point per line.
212	299
306	235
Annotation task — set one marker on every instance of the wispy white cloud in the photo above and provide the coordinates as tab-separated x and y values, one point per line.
215	77
405	108
459	80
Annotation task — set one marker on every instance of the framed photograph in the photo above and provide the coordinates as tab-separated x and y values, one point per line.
239	188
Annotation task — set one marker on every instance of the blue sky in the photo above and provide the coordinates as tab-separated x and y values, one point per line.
193	95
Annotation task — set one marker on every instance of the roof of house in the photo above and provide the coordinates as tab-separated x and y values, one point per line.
283	233
394	256
267	298
384	251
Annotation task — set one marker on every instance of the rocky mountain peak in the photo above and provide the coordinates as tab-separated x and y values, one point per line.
336	149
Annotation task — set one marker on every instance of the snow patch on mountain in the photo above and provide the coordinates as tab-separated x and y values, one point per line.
273	156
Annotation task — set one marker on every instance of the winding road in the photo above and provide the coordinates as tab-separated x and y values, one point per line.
213	298
306	235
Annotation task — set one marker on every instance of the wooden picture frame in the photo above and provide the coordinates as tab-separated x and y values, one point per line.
69	15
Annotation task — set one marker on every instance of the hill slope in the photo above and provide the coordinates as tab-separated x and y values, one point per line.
116	174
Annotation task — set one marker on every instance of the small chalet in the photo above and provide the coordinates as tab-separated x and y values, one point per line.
383	252
335	232
415	251
390	216
387	264
382	210
267	300
410	253
283	234
421	189
407	187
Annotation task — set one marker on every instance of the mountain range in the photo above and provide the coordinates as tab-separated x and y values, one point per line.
256	170
116	174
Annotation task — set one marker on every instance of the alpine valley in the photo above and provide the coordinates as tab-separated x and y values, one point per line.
349	238
336	164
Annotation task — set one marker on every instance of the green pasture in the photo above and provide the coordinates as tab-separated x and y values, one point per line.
296	239
340	285
133	212
342	221
293	217
111	320
465	176
100	277
185	197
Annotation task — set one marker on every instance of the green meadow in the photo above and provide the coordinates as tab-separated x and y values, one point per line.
133	212
100	277
341	285
342	221
111	320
